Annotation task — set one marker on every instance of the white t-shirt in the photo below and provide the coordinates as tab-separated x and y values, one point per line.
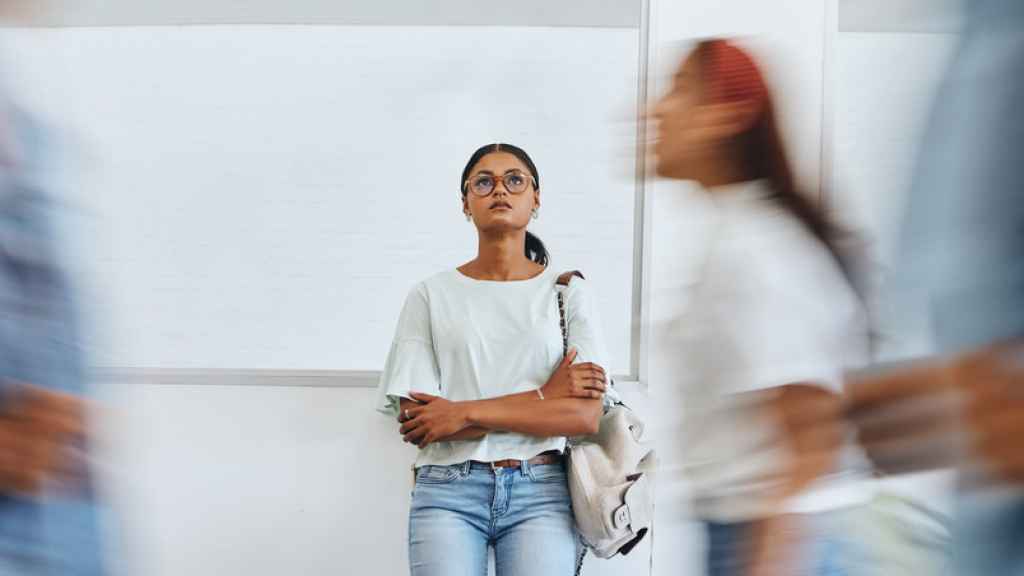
466	339
772	308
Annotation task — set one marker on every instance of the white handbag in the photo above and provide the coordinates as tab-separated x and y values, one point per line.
610	473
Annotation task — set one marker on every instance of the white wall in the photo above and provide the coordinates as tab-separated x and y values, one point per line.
884	68
231	480
213	480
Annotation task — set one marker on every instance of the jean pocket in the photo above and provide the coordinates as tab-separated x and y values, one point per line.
430	474
548	473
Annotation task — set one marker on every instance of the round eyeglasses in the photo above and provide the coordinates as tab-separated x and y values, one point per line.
483	184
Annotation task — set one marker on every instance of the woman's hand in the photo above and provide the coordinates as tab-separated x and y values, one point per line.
808	432
813	431
38	430
587	380
992	383
926	415
435	420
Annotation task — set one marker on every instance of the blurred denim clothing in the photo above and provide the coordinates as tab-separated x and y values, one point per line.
50	534
989	534
827	552
525	513
963	255
963	243
887	537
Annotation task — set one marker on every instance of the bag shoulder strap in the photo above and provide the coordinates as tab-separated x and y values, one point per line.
566	277
563	282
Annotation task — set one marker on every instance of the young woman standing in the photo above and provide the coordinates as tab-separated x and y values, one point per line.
478	378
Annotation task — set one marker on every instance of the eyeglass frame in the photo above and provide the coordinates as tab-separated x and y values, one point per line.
531	182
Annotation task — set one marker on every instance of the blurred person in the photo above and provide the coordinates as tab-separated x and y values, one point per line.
963	262
773	324
48	521
48	517
479	380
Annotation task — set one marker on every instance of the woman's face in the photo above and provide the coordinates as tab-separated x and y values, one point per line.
501	210
679	139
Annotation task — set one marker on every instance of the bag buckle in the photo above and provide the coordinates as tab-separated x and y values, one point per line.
621	517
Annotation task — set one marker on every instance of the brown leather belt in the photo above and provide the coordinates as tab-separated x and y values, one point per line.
549	457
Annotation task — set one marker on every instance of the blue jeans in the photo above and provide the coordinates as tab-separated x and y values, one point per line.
989	535
524	513
51	537
729	552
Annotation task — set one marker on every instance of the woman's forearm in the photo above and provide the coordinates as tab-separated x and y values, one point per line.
554	417
470	433
427	419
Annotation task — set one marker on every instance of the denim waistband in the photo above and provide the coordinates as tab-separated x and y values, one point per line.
470	465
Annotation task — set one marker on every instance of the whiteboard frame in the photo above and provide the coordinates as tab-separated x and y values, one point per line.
141	13
365	379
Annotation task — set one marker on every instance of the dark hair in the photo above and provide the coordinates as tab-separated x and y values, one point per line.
766	158
534	248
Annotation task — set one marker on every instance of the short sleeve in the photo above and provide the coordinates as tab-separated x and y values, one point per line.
585	332
411	365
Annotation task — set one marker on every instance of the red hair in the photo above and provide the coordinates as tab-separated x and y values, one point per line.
729	74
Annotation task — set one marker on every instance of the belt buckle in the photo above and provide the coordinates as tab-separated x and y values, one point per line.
498	465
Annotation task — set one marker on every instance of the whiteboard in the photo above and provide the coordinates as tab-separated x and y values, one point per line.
263	197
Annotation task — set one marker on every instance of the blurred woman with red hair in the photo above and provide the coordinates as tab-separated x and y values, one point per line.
773	323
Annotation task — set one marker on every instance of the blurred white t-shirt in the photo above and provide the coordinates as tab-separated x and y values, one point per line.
772	307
